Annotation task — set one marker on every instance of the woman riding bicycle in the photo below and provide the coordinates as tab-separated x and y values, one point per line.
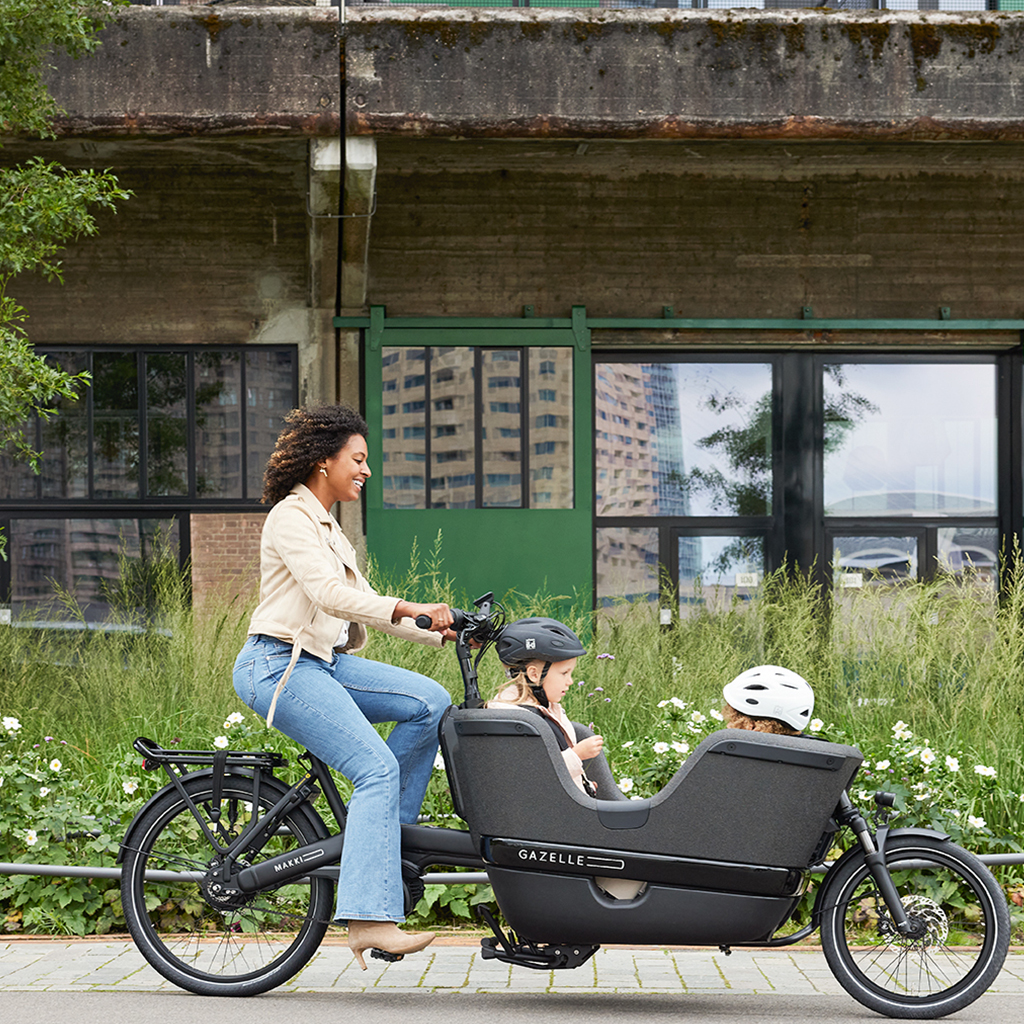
298	667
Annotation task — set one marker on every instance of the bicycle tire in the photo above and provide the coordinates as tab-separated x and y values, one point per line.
236	950
961	945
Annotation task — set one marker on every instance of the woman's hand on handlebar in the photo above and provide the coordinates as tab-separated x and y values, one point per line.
440	615
590	747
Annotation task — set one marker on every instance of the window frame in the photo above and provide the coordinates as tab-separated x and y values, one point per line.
796	531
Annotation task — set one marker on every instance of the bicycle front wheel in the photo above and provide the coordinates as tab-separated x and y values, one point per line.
208	944
961	930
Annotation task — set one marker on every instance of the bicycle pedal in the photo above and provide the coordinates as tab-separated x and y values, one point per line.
383	954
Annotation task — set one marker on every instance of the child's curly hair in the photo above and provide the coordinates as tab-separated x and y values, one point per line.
312	435
737	720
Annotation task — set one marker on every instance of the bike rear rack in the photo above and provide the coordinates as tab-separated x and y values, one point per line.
155	756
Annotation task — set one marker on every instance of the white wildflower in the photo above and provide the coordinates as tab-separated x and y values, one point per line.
684	748
988	773
881	766
927	756
625	784
11	725
220	742
899	726
975	822
628	744
697	717
716	715
661	748
130	786
31	836
44	791
55	765
681	704
236	718
816	725
662	703
952	763
438	762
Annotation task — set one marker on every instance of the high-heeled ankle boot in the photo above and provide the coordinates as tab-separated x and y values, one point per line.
385	935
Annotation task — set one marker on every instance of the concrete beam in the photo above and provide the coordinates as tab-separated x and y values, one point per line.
360	169
360	206
682	74
165	71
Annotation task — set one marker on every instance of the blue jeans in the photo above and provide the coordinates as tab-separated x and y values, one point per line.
329	707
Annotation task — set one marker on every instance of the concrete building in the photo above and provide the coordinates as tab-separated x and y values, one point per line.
794	233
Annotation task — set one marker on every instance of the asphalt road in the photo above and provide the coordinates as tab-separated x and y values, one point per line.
462	1008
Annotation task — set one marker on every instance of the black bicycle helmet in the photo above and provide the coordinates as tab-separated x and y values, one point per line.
546	640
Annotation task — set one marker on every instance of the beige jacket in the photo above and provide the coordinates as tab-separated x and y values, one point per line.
310	585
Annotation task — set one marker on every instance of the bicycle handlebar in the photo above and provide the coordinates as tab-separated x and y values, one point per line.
476	625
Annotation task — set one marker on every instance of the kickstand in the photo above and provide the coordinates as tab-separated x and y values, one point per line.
488	919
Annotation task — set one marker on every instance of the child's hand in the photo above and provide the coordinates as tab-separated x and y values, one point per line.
590	747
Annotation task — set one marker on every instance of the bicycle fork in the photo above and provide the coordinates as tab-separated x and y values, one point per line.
874	857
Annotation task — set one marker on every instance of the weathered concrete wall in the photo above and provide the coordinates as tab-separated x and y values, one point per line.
187	71
551	73
212	247
735	229
685	74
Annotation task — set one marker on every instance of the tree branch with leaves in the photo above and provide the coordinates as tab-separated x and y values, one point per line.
43	205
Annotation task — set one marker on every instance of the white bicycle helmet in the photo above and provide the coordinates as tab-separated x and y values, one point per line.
769	691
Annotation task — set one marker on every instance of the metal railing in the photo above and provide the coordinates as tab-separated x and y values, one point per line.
431	878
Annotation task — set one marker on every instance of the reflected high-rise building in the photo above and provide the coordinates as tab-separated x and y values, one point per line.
477	428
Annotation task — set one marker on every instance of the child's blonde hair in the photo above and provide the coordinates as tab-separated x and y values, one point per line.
516	677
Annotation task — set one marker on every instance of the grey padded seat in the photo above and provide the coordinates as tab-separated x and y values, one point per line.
742	797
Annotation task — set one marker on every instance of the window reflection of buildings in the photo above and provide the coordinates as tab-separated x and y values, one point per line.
444	425
83	556
638	472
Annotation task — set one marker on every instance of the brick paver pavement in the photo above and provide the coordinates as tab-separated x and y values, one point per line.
104	965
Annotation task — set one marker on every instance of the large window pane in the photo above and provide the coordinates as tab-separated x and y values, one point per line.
166	424
502	435
974	551
115	396
65	438
107	566
627	564
683	439
270	395
858	561
452	428
218	382
404	433
468	427
910	439
713	571
550	428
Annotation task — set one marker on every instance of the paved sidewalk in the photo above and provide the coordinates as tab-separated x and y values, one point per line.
105	966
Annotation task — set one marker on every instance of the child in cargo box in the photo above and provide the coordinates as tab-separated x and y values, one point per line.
539	656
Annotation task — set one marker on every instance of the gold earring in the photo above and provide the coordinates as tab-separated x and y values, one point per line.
323	469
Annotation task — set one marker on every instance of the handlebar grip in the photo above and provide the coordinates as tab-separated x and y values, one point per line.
424	621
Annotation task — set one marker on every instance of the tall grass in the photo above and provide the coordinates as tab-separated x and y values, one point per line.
946	657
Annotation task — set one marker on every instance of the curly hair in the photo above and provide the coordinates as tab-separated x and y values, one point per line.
737	720
312	434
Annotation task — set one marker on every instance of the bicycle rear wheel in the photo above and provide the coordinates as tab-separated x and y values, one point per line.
212	945
961	930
